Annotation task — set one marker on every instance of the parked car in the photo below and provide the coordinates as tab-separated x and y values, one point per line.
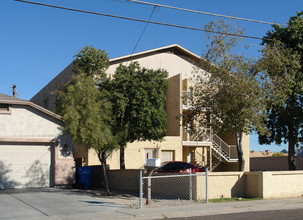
178	167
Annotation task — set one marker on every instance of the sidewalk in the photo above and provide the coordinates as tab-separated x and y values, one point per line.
55	204
202	209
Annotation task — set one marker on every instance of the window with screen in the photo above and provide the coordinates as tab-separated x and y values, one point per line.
167	155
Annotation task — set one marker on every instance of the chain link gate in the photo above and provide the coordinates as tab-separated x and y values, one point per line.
171	187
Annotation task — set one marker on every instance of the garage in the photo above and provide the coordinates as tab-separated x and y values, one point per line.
33	151
25	166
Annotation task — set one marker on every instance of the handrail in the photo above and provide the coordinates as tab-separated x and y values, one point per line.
206	135
228	149
220	143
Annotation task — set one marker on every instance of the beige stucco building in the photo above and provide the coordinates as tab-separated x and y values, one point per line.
203	150
33	152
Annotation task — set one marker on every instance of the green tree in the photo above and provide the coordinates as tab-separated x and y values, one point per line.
282	67
227	96
86	111
138	96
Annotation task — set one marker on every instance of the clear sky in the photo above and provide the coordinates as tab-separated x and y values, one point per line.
37	42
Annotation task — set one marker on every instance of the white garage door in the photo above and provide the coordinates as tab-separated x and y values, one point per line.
24	166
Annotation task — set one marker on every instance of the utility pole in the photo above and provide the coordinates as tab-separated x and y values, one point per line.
14	90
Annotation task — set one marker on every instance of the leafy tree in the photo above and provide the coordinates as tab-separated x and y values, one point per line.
138	96
91	62
86	111
282	68
227	96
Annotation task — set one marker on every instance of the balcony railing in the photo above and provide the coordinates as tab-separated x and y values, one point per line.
202	135
186	99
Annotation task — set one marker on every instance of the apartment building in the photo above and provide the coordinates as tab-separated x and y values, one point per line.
202	148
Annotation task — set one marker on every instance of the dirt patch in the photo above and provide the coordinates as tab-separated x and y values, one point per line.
132	199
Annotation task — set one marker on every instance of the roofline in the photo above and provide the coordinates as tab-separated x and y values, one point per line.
33	105
177	46
134	56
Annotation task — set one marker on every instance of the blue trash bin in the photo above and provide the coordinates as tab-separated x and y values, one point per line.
83	176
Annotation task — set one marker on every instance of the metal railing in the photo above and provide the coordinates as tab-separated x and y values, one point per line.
227	151
203	135
186	98
225	148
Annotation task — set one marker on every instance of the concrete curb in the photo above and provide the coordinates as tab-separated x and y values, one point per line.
210	209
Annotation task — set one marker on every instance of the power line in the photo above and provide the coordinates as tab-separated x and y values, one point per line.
5	88
206	13
140	20
143	30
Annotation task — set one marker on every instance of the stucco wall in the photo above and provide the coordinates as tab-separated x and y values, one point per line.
282	184
134	153
27	122
64	166
174	64
173	105
254	184
276	184
221	185
46	97
268	185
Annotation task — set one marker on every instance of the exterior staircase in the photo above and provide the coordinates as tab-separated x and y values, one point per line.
221	152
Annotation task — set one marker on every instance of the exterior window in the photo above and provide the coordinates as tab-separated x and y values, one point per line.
167	155
149	153
5	109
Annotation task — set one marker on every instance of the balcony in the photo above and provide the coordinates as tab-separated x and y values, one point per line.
186	100
203	137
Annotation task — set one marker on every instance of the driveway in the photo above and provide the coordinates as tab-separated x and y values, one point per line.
52	203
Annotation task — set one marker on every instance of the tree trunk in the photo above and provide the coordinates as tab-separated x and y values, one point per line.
122	157
102	159
291	156
240	151
292	137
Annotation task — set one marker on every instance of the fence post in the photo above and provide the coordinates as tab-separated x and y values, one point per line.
150	171
140	190
190	186
206	184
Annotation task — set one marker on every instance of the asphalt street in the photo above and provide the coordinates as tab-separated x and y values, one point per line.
293	214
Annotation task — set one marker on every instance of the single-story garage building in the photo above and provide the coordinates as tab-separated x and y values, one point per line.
33	151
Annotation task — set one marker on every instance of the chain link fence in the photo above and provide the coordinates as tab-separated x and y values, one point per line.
171	187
